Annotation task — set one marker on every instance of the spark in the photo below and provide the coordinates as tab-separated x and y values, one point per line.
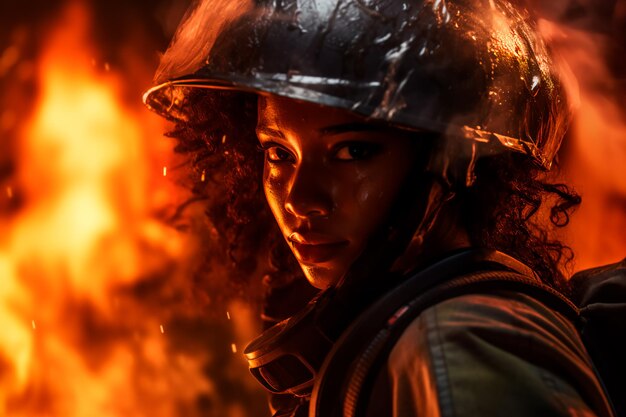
228	315
107	67
234	348
165	171
536	81
161	327
9	192
33	323
223	139
203	177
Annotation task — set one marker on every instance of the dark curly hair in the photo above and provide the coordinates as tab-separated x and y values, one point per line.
499	211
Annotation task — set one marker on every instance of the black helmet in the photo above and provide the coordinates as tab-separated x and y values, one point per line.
473	69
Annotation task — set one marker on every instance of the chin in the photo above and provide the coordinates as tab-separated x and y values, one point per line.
320	277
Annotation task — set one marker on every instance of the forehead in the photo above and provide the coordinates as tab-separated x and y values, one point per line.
282	112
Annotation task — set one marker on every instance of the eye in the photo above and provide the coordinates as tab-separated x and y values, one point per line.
277	154
355	151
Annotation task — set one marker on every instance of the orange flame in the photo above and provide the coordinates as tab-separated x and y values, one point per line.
73	343
594	157
75	339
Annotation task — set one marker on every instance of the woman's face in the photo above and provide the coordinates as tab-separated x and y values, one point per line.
330	178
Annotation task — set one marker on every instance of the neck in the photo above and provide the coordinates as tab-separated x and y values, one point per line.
446	235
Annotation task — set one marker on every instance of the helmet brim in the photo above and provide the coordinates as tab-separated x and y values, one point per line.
168	99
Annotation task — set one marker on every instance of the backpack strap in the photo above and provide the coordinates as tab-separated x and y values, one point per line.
601	295
371	338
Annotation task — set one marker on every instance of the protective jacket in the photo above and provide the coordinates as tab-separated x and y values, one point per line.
449	342
498	354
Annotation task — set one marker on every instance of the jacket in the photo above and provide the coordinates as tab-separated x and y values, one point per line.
484	350
503	354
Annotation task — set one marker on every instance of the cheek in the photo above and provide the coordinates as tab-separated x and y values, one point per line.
372	195
370	189
362	189
274	187
369	206
374	187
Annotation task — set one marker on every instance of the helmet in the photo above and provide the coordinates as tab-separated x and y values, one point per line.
469	69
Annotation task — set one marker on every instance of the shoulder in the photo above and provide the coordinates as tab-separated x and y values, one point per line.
492	354
503	318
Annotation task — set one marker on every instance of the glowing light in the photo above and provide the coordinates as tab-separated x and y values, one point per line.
87	251
228	315
8	59
85	230
595	159
8	120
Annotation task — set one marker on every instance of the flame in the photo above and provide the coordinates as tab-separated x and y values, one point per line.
593	160
91	273
76	340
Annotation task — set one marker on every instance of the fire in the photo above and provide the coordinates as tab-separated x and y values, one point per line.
593	160
99	312
78	338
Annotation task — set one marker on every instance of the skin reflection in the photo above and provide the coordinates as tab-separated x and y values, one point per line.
330	178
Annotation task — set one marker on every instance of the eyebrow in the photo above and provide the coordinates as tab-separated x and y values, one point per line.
268	131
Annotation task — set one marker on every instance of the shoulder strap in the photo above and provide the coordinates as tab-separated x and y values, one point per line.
601	295
371	338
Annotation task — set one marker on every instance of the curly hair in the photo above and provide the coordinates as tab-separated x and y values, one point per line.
226	165
500	211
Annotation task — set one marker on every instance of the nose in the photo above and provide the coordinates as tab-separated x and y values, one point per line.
310	193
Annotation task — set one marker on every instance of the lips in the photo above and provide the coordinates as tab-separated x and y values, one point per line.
314	247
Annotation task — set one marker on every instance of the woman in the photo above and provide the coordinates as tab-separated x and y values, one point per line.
403	145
